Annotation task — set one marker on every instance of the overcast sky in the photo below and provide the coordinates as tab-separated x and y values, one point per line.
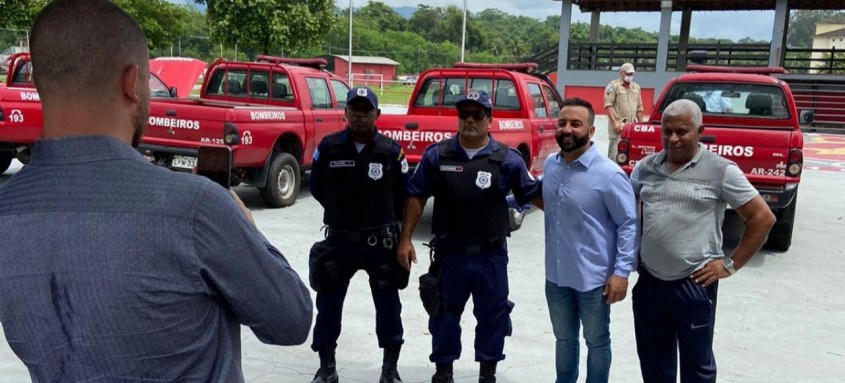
731	25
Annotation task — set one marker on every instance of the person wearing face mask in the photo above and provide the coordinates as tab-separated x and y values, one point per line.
591	242
623	104
360	177
469	176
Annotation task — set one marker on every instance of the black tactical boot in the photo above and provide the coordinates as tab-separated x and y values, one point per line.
328	368
443	374
388	367
487	373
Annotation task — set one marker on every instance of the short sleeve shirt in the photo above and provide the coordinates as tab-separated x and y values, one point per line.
683	211
626	101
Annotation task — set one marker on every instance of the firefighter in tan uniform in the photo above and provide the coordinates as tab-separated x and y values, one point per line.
623	104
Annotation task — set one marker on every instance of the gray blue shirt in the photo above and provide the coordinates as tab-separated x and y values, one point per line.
591	221
683	211
116	270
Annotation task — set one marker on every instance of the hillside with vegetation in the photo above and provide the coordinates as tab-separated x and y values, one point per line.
430	37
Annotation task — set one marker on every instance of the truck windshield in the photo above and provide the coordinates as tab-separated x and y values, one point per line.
741	100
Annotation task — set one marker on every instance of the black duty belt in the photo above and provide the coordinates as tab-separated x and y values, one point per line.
385	234
467	247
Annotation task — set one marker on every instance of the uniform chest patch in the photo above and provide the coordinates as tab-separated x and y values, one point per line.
451	168
376	171
342	164
482	180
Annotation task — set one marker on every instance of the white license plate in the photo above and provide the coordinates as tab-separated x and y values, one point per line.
184	162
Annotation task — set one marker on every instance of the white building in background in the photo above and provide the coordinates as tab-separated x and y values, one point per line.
828	36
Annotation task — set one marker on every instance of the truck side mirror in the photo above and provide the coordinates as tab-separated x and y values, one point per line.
806	117
172	91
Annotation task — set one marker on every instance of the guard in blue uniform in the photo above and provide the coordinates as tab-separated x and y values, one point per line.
469	176
360	177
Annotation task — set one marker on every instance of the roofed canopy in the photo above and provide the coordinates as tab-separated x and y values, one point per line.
702	5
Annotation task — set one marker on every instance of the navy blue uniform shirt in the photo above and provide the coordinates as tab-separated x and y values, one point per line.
514	177
320	183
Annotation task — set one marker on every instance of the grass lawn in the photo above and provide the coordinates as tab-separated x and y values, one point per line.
396	94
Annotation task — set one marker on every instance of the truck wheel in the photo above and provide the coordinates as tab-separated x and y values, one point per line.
282	182
5	162
780	238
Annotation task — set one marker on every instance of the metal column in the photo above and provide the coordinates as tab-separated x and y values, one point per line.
563	45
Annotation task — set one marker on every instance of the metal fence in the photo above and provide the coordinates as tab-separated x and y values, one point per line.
606	56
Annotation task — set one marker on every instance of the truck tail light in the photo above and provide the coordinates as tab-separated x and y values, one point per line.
230	134
622	149
794	162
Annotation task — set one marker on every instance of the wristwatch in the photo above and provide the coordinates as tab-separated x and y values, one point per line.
728	262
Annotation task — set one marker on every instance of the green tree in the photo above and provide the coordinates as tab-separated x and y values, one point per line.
802	25
270	25
19	13
161	20
380	16
437	24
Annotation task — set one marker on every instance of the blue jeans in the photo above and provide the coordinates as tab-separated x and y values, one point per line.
568	309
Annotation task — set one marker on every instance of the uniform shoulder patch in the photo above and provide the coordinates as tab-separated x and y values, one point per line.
609	89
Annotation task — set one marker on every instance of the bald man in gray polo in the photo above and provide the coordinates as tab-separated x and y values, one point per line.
684	190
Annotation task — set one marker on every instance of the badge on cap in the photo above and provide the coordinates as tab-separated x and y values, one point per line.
362	92
473	95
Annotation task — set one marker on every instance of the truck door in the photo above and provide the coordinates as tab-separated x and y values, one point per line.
548	145
326	118
543	123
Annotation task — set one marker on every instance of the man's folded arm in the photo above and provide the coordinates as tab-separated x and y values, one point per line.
243	271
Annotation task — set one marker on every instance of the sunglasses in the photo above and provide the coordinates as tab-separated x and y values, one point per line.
476	115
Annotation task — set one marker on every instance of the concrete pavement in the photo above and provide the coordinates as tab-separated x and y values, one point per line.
778	320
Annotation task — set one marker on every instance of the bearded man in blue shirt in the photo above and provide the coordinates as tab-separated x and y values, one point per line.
591	242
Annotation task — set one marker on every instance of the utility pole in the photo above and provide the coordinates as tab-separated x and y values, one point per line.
463	31
349	70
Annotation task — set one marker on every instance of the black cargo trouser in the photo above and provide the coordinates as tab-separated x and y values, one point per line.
671	317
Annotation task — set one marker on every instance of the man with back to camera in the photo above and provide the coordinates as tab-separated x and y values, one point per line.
359	177
684	190
591	242
115	269
469	176
623	103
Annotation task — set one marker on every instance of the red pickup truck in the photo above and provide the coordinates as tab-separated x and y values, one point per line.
749	118
525	109
21	122
272	113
